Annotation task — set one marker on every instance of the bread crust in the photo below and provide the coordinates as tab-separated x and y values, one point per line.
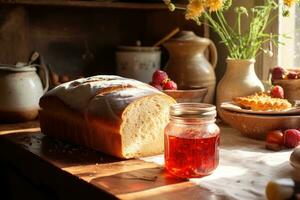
58	120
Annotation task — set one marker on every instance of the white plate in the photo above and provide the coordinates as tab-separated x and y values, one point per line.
234	107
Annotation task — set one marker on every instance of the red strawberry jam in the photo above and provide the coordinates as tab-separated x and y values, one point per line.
192	140
191	157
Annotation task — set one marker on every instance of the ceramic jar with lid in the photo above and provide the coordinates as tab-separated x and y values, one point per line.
20	91
138	62
188	66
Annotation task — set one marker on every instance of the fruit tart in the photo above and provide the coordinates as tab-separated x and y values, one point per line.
262	102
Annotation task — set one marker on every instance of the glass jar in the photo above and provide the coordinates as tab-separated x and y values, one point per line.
192	140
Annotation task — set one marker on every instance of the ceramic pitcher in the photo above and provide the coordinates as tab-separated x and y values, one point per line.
188	66
20	91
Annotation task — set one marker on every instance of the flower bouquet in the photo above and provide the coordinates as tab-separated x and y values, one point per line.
240	44
244	36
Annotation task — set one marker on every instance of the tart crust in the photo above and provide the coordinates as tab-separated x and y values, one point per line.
262	102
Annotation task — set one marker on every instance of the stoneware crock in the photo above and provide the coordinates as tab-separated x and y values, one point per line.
188	65
20	91
138	62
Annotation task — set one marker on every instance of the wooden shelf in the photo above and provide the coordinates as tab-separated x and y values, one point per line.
88	4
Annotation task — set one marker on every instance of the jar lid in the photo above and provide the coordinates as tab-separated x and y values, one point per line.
193	110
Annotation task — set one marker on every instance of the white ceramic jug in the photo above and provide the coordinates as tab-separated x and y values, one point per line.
20	91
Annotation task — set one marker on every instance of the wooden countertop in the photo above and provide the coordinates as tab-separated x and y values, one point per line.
31	126
68	171
65	171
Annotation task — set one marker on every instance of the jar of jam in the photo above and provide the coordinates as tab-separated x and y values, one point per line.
192	140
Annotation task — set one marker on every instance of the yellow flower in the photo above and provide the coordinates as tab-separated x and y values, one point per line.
214	5
194	9
171	7
289	3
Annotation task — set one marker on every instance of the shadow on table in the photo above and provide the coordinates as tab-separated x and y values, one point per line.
151	183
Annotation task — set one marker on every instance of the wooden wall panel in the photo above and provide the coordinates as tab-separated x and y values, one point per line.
13	35
82	41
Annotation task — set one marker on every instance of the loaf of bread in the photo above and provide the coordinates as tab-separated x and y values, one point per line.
118	116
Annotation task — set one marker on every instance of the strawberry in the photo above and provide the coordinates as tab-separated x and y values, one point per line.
170	85
275	136
277	73
274	140
157	86
292	75
291	138
159	77
274	146
277	92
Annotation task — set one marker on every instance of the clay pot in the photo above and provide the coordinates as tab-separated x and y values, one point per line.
138	62
188	66
291	89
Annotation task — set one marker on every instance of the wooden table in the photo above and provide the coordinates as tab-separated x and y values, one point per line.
35	166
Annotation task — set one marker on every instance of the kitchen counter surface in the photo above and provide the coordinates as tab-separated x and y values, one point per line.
52	169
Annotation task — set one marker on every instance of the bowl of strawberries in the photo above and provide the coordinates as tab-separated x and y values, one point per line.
162	82
289	80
